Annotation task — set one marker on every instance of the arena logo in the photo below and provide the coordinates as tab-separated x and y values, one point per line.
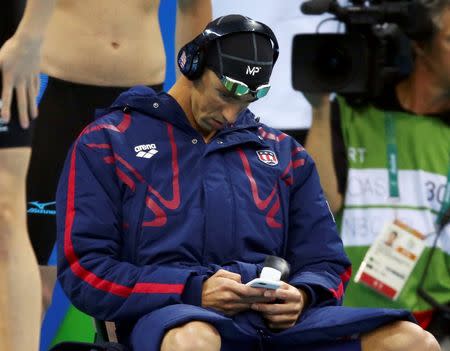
145	150
41	208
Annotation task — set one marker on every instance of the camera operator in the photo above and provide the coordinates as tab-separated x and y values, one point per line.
387	161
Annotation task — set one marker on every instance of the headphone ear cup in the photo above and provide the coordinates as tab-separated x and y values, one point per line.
198	65
184	60
191	60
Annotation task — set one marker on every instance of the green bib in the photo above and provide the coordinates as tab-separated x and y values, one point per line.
422	146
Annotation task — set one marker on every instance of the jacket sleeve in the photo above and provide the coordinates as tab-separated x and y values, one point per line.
315	251
90	269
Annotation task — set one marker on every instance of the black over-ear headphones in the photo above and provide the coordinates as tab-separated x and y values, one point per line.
191	57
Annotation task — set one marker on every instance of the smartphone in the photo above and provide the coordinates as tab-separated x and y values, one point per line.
264	283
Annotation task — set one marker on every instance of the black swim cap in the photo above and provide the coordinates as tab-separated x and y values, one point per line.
245	56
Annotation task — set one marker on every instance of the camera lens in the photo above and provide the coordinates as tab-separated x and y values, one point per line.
330	63
333	64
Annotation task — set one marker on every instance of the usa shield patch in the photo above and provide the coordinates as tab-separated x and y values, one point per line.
268	157
182	60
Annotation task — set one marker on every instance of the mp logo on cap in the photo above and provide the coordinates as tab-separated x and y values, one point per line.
252	70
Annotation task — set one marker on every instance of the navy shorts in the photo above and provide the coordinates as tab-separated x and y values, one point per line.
331	328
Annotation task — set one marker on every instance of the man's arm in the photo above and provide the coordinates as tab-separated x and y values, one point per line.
20	58
319	264
90	240
192	17
319	145
90	231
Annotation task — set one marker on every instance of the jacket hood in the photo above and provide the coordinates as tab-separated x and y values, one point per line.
144	99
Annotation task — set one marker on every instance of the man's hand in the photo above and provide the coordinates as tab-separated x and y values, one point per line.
282	315
225	292
317	100
19	65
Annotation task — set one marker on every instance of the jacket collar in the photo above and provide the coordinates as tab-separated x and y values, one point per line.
164	107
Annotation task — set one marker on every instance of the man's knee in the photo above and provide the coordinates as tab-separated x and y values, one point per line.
192	336
7	217
13	230
399	336
6	229
12	198
8	205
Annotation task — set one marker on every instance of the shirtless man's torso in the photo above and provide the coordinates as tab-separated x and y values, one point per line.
105	43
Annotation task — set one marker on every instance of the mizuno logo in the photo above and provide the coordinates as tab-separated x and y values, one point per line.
253	70
145	150
41	208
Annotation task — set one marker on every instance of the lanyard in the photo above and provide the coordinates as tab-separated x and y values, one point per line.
392	158
445	207
391	155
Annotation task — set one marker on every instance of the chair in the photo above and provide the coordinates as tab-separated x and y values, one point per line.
104	331
105	340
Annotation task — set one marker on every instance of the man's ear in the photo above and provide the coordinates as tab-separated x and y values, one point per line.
196	82
422	48
419	48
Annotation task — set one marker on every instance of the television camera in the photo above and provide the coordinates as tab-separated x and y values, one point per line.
374	49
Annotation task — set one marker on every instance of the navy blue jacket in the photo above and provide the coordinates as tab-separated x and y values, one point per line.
147	210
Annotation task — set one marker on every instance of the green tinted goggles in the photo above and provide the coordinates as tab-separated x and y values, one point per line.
238	88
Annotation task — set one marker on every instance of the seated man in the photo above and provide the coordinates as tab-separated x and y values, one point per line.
169	203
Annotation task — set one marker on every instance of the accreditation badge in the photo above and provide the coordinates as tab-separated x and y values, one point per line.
391	259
